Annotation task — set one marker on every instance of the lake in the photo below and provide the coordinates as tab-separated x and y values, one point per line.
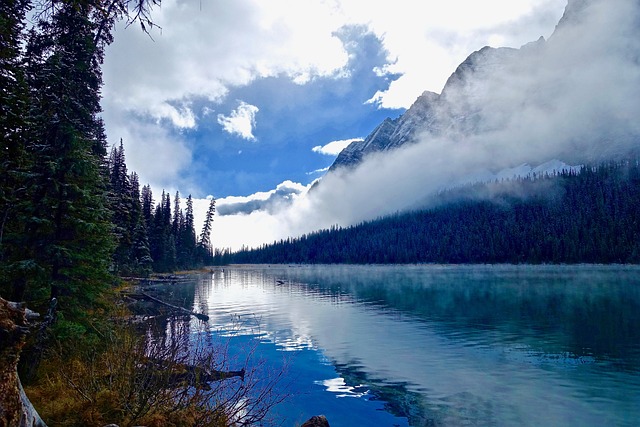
436	345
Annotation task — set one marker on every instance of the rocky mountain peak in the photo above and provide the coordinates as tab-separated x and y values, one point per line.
574	11
507	91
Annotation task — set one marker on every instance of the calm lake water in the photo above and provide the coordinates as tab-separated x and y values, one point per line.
438	345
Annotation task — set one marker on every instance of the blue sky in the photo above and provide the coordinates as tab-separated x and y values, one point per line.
289	120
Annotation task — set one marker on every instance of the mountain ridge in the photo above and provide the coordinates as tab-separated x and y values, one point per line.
483	95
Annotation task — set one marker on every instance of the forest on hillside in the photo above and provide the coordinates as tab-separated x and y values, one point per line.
589	216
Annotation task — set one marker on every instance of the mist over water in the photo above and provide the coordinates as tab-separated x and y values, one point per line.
441	345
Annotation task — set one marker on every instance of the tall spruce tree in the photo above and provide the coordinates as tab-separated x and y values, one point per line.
187	238
146	197
121	203
14	161
140	255
205	250
69	227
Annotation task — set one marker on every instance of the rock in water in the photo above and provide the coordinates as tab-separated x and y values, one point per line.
316	421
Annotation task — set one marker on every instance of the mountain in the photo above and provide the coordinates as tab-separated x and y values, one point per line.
519	93
434	113
392	134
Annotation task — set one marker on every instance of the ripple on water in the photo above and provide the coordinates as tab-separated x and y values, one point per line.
447	345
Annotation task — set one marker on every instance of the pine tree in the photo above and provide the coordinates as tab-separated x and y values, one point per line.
187	246
147	204
140	254
69	229
122	205
205	250
14	160
176	223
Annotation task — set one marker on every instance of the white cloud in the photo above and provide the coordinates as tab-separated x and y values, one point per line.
201	51
141	136
574	100
206	48
427	40
251	220
271	201
241	121
334	148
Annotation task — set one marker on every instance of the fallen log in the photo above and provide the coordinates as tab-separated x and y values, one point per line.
159	279
15	408
175	307
181	374
146	296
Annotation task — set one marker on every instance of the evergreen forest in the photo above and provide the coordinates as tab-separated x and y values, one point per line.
585	216
72	218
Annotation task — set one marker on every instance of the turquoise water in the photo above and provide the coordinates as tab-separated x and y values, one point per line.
437	345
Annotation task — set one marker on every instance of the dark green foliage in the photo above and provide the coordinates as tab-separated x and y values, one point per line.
15	163
162	241
187	238
591	217
65	208
204	249
68	229
171	235
132	254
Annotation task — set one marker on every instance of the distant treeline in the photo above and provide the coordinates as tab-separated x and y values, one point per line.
586	216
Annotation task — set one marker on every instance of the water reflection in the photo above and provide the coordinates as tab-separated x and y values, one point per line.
584	311
342	389
448	345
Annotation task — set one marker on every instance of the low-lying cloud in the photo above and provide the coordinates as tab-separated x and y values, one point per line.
271	202
572	98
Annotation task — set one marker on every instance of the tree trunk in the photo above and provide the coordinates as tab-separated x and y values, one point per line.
15	408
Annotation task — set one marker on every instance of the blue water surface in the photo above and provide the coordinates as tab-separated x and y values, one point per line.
435	345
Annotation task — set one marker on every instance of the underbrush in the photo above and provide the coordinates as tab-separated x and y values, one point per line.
132	374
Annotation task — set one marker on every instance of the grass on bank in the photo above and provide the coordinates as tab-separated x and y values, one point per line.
108	373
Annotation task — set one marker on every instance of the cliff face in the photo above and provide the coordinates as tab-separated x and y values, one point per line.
392	134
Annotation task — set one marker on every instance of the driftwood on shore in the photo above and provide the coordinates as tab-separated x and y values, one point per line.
15	408
146	296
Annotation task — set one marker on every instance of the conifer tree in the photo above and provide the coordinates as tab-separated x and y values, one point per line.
140	255
69	227
205	250
14	161
146	197
187	238
121	203
176	222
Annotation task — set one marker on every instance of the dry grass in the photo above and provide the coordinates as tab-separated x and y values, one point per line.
81	385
